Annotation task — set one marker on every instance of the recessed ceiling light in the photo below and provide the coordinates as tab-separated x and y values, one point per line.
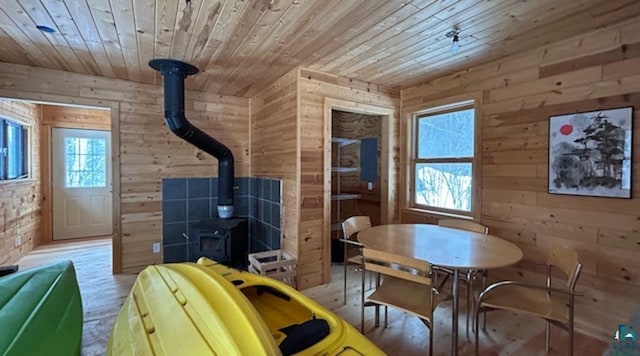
46	29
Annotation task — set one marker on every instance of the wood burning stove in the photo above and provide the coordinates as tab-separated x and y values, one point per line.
223	240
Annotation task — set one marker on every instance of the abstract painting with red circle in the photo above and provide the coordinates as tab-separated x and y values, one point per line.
566	129
590	153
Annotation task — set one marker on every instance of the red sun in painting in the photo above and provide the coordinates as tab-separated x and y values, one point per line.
566	129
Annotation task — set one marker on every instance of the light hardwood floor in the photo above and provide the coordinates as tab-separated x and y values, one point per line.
507	333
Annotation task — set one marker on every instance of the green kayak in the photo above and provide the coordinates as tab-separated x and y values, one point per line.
41	311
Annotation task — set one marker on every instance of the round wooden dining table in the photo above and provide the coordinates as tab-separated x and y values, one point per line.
444	247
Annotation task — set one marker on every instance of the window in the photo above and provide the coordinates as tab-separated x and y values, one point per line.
442	159
14	150
85	162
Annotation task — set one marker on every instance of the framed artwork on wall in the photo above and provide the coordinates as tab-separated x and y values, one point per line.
590	153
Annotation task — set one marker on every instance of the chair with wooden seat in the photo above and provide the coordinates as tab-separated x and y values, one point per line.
405	285
554	304
467	277
350	228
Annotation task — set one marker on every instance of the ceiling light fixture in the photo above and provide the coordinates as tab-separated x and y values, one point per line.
46	29
455	45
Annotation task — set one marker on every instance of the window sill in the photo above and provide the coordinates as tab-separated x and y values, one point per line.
437	214
23	181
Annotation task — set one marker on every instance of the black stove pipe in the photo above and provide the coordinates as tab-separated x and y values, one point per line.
174	73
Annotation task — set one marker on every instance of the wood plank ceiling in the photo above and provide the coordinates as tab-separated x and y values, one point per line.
243	45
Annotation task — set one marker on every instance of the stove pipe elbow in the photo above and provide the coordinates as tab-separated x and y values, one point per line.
174	73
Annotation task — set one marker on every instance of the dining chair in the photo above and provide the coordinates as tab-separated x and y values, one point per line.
350	227
467	277
405	285
464	225
554	304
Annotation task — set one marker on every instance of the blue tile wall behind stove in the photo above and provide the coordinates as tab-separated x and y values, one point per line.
186	200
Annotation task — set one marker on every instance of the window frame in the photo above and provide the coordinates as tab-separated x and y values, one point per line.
77	155
442	107
24	155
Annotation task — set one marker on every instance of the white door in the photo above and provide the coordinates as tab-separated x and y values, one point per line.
81	183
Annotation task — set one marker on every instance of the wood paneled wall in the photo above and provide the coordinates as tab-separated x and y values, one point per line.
287	138
597	70
274	148
76	117
314	252
149	151
20	201
146	151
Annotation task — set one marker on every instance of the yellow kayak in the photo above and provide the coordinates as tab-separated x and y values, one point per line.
206	308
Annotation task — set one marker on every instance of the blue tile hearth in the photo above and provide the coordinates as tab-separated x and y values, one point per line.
175	253
172	232
188	200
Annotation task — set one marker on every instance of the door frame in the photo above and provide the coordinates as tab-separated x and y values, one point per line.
64	100
388	172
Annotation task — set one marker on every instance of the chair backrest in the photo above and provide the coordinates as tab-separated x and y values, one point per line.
354	225
464	225
396	266
566	260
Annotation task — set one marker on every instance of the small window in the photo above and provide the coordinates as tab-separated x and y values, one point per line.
85	163
442	159
14	150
